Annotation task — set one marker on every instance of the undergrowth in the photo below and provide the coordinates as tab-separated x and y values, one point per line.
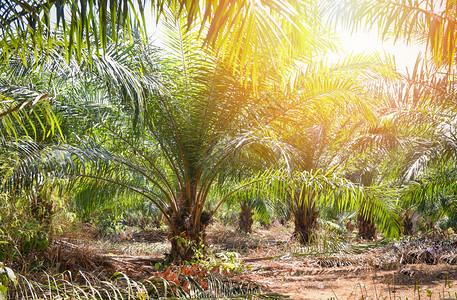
173	283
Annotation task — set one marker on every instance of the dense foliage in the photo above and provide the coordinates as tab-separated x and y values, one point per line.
239	108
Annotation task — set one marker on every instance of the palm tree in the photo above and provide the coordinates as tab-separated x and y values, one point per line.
430	198
318	114
186	132
425	169
416	132
27	124
192	130
49	86
421	109
251	201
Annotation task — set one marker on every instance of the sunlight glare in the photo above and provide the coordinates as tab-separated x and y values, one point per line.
368	42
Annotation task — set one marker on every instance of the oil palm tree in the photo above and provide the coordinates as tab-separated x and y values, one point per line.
251	201
318	113
425	169
47	84
27	123
192	129
420	110
197	124
416	130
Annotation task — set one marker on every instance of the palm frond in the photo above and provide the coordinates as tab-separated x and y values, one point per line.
28	26
427	21
16	117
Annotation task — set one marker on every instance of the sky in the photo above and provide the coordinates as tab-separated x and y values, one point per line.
369	42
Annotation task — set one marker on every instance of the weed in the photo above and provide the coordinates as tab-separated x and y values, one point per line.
172	283
6	275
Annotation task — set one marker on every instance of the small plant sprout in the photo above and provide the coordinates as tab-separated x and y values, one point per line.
142	294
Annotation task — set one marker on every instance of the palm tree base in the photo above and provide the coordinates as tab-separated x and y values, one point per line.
245	220
187	240
184	247
367	229
407	225
305	224
41	210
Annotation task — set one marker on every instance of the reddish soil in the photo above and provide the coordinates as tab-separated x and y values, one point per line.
355	276
295	279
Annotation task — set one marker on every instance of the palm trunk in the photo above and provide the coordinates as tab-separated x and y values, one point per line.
305	215
186	238
245	220
184	245
41	210
305	221
367	229
407	225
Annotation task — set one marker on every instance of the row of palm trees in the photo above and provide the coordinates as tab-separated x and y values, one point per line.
226	99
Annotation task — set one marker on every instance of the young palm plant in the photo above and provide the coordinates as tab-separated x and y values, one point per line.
318	113
430	198
251	202
198	131
186	137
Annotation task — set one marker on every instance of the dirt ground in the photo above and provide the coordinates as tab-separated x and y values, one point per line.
272	265
359	276
293	278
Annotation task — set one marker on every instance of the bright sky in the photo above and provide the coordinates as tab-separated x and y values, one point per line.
368	42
